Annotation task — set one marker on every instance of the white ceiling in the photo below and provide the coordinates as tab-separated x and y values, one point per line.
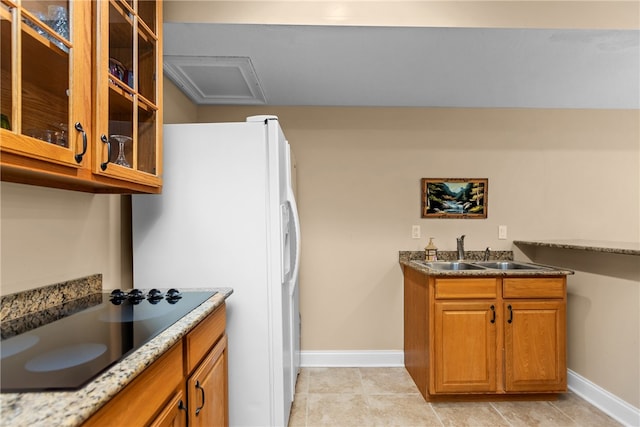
403	66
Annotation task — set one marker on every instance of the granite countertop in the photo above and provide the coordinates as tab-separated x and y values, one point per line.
547	271
624	248
72	408
412	259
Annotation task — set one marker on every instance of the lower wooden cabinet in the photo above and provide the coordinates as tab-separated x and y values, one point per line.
490	335
207	389
464	347
186	386
534	346
174	413
147	395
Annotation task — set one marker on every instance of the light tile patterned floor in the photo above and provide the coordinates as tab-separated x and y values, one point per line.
359	397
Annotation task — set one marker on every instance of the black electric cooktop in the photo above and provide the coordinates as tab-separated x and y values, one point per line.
67	353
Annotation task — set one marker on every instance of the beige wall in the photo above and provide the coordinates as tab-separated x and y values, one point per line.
552	174
589	14
49	236
603	317
178	108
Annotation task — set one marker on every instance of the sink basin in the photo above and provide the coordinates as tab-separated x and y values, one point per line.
451	265
509	265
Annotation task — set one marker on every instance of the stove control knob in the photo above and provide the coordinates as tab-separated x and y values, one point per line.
118	293
173	295
136	295
117	296
154	295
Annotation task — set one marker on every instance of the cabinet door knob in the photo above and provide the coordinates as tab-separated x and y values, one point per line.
79	128
105	140
199	387
493	312
510	314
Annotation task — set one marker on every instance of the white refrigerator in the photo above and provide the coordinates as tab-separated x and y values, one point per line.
227	217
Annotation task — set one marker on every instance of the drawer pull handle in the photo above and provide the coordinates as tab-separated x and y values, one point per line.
105	140
493	310
199	387
181	406
79	128
510	314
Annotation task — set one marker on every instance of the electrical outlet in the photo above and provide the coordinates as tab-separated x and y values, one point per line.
502	232
415	232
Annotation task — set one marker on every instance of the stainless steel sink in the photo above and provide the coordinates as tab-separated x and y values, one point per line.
509	265
451	265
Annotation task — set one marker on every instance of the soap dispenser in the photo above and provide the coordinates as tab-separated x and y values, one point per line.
430	251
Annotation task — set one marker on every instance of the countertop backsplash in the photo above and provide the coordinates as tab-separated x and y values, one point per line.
50	302
453	255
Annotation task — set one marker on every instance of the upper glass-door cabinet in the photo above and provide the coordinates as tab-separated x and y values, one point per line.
129	91
45	98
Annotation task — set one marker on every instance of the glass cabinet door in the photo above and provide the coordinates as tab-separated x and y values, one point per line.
128	91
43	82
6	64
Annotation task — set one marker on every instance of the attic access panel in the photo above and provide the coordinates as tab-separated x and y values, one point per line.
215	79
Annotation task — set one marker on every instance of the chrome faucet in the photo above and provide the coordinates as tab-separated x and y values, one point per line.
487	254
460	244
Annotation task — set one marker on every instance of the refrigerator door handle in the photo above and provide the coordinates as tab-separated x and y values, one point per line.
296	226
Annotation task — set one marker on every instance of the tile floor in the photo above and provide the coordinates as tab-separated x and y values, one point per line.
358	397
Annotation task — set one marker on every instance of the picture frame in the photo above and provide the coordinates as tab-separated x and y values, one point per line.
463	198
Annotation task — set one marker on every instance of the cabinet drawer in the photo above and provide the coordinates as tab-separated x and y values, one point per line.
539	287
138	402
200	340
466	288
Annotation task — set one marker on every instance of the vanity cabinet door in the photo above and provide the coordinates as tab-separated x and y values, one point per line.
142	400
174	413
535	346
465	348
208	388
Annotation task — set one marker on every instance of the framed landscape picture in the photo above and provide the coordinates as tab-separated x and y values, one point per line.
454	197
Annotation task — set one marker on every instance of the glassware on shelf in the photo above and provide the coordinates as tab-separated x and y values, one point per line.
4	122
60	134
117	69
46	135
35	26
121	159
58	20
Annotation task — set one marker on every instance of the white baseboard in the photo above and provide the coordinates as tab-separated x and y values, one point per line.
608	403
373	358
